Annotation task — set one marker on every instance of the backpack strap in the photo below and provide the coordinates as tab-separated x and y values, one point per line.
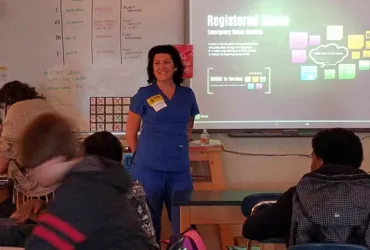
315	234
358	236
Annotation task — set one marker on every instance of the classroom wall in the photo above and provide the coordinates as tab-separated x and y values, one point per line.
265	173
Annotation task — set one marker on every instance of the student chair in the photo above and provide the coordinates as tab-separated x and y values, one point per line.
256	203
326	246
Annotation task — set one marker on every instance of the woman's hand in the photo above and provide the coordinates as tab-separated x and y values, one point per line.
28	210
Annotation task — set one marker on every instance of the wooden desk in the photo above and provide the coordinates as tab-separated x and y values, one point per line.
212	207
206	165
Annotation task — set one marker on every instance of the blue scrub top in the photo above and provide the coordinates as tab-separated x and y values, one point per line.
163	143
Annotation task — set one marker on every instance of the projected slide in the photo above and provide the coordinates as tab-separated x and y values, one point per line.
281	63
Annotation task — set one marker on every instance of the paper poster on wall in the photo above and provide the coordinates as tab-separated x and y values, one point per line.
186	52
109	113
4	74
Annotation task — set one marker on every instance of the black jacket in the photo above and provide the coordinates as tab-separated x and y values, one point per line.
275	221
89	212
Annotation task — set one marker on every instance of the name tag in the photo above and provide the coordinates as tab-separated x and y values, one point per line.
156	102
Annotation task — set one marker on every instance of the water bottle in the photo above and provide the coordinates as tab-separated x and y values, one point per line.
127	159
204	137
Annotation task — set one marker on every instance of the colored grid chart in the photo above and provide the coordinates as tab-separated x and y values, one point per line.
109	113
255	80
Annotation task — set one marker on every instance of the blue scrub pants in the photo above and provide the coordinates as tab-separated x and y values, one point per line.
160	187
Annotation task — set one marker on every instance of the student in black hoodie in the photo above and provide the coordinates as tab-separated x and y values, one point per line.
90	210
105	144
336	151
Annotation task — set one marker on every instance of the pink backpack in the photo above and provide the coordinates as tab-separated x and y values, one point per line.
188	240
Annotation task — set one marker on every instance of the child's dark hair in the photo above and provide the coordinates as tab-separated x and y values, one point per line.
176	58
338	146
103	144
16	91
46	137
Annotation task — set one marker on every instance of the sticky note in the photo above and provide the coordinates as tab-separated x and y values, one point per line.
356	55
259	85
247	79
367	44
308	73
366	53
298	40
347	71
329	74
299	56
334	33
255	79
367	34
355	41
364	65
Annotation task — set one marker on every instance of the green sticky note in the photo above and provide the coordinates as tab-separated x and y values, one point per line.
347	71
364	64
329	74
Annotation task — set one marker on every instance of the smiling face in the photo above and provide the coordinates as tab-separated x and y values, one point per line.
163	67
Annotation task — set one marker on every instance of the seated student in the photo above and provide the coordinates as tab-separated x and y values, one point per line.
88	211
105	144
21	103
329	204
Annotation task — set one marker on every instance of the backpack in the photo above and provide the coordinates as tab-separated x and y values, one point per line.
331	209
137	197
188	240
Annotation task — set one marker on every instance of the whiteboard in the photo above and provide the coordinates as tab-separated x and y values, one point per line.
71	50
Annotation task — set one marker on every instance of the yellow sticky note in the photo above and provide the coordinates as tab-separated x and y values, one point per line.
366	53
255	79
367	44
367	34
356	55
355	41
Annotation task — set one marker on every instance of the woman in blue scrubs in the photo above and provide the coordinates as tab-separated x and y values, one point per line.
161	153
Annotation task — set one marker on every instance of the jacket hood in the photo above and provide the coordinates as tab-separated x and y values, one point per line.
104	172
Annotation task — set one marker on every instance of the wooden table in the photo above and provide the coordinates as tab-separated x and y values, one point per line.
222	208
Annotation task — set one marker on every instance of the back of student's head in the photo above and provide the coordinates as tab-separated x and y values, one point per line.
16	91
338	146
103	144
46	137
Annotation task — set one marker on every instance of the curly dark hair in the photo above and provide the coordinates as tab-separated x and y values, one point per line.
16	91
176	58
338	146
